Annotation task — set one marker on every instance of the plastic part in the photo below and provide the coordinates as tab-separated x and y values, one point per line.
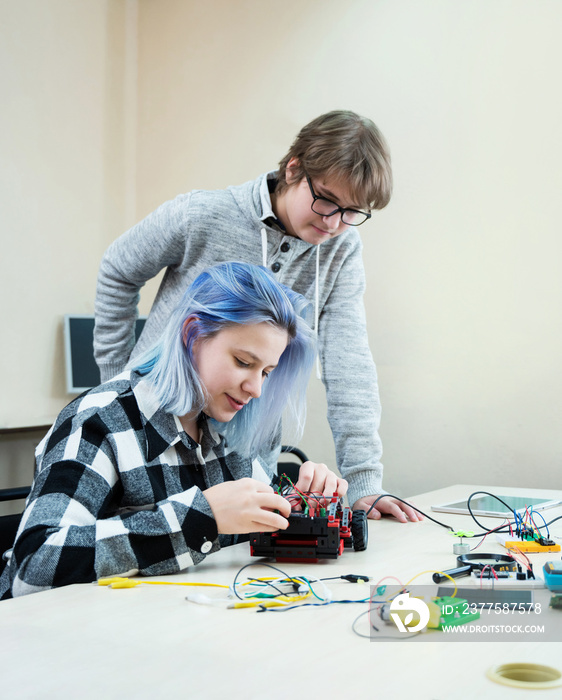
355	578
461	548
310	537
360	530
124	584
450	612
553	575
531	547
441	576
528	545
524	675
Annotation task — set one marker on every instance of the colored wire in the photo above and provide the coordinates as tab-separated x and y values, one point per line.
288	601
517	554
433	571
390	495
317	605
270	566
294	580
544	521
354	623
518	519
532	525
486	493
488	566
384	578
295	496
483	535
559	517
264	582
372	626
123	582
312	589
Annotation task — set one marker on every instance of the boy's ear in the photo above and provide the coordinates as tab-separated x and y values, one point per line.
292	165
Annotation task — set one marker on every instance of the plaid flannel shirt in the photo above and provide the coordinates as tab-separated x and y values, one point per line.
119	489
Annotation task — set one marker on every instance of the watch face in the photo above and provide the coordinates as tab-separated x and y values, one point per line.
206	547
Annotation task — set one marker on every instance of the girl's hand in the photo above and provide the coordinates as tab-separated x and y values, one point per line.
319	479
247	505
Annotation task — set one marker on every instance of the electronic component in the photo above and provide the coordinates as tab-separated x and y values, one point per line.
529	546
468	563
461	548
484	560
444	611
553	575
321	533
507	579
450	612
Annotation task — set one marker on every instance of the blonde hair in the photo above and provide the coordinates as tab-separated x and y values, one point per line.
343	147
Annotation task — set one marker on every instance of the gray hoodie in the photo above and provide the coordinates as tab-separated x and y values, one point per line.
203	228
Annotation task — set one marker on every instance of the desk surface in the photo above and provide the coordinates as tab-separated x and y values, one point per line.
148	642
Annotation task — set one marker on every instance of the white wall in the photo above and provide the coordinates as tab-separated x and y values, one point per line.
464	291
63	183
463	283
67	86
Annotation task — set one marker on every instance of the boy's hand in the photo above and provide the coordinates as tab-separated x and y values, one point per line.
247	505
319	479
388	506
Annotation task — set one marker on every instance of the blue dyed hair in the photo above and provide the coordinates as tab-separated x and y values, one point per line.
220	297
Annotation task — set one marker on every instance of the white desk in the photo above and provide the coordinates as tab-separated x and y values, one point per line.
85	641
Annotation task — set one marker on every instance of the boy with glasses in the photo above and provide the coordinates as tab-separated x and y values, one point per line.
300	221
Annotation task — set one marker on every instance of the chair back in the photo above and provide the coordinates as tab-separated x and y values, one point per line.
9	523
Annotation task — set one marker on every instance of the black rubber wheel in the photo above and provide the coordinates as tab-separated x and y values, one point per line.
359	530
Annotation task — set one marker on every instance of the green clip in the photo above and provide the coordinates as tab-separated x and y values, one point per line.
463	533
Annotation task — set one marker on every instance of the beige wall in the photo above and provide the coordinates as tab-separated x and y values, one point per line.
463	282
464	289
63	188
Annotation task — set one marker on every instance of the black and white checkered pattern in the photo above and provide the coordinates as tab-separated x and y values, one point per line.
119	489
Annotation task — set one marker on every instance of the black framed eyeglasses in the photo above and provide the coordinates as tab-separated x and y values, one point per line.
325	207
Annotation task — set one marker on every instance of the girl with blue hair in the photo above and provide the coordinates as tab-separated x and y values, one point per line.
169	461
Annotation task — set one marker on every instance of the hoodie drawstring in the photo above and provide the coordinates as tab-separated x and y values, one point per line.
316	313
316	294
264	247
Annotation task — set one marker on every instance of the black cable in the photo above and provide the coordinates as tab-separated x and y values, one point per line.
552	521
390	495
378	635
352	578
330	578
268	583
270	566
487	493
501	528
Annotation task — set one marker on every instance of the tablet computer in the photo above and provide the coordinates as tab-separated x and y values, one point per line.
486	505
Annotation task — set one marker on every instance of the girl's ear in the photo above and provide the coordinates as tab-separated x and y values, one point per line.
189	321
